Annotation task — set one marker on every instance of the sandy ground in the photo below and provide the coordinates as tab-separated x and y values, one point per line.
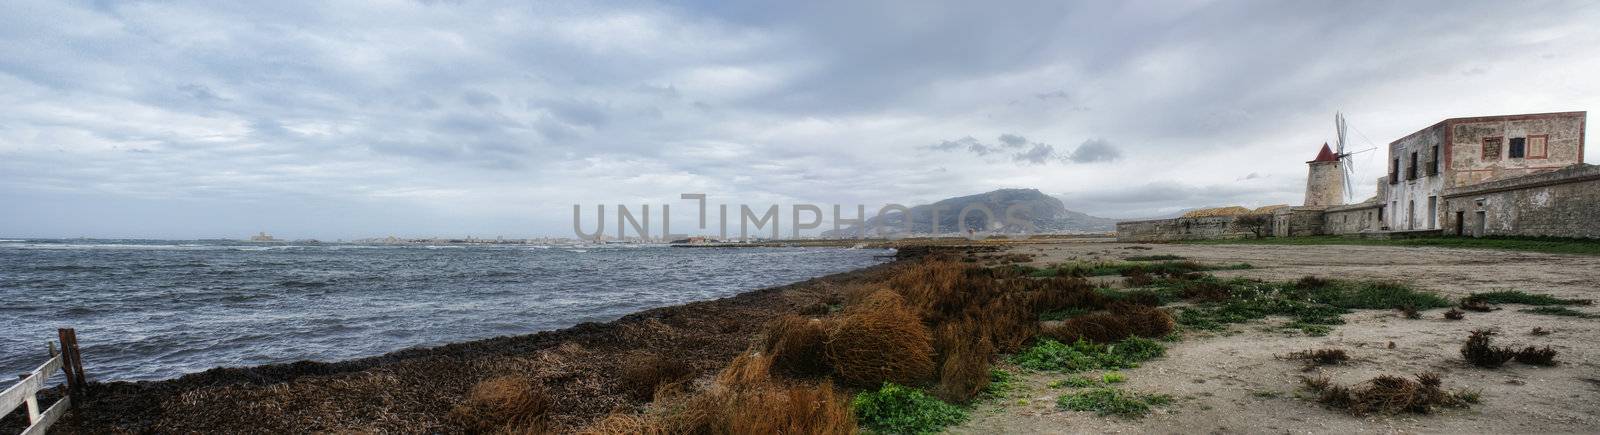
1231	382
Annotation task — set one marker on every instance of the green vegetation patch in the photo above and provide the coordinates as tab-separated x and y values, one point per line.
1114	377
1312	305
1000	383
1051	355
1161	257
1551	245
1075	382
1523	298
1110	268
900	410
1559	311
1111	401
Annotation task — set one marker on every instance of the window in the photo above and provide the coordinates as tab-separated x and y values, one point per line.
1491	148
1433	162
1518	148
1411	171
1538	146
1394	172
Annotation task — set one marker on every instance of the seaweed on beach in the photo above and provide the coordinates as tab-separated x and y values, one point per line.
1388	394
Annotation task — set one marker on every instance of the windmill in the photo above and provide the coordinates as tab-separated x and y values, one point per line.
1346	163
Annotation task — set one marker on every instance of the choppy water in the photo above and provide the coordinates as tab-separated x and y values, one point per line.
159	309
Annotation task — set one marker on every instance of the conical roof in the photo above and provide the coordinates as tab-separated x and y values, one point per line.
1326	155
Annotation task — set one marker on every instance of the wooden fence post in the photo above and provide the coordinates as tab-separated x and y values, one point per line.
72	363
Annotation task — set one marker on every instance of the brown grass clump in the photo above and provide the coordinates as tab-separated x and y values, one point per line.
1476	305
1145	320
963	361
1479	352
642	374
797	346
745	399
1096	327
1310	282
1321	357
1108	327
1388	394
505	403
1455	314
1537	330
1206	291
618	423
1536	356
1138	278
1410	312
880	340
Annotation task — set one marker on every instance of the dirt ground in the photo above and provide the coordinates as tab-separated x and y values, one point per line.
1231	382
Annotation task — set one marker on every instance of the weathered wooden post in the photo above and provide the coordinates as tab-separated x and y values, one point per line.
72	362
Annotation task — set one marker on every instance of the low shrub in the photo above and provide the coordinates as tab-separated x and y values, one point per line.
1157	257
1558	311
798	346
643	373
895	409
1000	383
1075	382
1410	312
1536	356
1537	330
1113	377
1111	401
1310	282
1476	305
1524	298
963	361
1051	355
1480	352
1388	394
505	403
880	340
1125	320
1455	314
1321	357
745	398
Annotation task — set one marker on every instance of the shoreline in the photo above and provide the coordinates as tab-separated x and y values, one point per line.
705	334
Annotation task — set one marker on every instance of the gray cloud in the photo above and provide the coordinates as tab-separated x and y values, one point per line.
1091	151
495	116
1094	150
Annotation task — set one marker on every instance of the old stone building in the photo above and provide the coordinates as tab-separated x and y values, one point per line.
1517	175
1460	152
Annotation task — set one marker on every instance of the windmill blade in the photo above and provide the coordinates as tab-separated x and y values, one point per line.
1348	165
1340	127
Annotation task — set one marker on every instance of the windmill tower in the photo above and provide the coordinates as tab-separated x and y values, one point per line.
1328	183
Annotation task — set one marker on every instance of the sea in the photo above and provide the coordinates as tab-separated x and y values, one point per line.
156	309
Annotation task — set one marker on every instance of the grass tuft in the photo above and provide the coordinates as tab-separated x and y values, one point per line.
1111	401
1387	394
1480	352
1558	311
1051	355
1524	298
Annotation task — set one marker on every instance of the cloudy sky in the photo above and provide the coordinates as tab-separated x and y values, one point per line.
355	119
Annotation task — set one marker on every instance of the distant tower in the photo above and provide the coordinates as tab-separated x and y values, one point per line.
1325	184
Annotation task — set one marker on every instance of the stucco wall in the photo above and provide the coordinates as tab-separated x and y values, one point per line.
1206	228
1407	199
1351	219
1563	203
1563	134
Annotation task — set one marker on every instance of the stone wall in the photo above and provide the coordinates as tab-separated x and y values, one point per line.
1204	228
1352	219
1564	203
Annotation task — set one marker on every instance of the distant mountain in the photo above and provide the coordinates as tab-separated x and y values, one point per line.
1046	213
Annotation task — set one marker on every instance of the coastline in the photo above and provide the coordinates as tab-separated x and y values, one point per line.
411	390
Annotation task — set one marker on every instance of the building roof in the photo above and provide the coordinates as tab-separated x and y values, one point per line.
1326	155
